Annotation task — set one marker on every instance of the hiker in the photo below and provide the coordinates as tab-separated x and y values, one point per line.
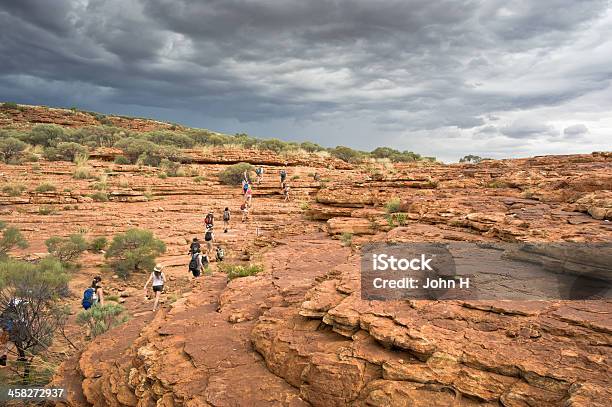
14	328
157	279
209	221
245	211
286	192
195	265
245	177
93	294
5	326
220	254
259	172
245	187
317	177
226	219
283	176
209	237
195	246
248	196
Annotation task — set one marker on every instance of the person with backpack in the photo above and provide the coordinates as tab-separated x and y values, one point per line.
209	237
245	211
259	172
209	221
286	192
248	196
245	187
195	246
283	176
195	265
94	294
220	253
158	279
226	219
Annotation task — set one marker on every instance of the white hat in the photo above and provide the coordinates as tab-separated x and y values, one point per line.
158	267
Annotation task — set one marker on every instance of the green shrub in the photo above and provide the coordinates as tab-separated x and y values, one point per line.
10	105
99	196
134	250
199	179
100	318
45	187
295	177
272	144
346	238
66	249
395	155
69	151
311	147
45	135
474	159
11	238
347	154
13	189
393	205
46	210
235	270
122	160
170	138
11	149
98	244
234	174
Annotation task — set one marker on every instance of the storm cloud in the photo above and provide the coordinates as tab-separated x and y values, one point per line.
444	78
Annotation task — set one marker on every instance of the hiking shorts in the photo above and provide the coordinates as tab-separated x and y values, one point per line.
157	288
195	272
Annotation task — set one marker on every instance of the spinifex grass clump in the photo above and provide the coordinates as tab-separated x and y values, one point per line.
236	270
100	318
393	205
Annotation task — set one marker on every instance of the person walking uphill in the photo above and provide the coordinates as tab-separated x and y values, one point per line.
283	176
209	237
158	279
94	294
195	265
226	219
209	221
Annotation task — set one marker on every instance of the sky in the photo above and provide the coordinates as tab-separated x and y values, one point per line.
441	78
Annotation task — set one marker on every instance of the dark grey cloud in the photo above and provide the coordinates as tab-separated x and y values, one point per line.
393	66
577	130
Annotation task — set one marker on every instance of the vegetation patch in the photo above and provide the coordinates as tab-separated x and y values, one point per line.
100	318
133	251
236	270
66	249
234	174
46	187
393	205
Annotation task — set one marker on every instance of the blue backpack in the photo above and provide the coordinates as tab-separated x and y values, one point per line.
88	298
245	187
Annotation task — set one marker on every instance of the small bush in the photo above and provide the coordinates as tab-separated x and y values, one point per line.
65	151
234	174
45	187
393	205
122	160
11	238
99	196
235	270
305	206
347	154
98	244
273	145
100	318
99	186
66	249
13	189
45	135
46	210
346	238
171	168
134	250
311	147
199	179
295	177
82	173
11	149
10	105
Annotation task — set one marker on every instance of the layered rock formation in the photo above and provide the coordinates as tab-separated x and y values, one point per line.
299	333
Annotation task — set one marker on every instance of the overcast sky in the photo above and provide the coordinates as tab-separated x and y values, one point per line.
442	78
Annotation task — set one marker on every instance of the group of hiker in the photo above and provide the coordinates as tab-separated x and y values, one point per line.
200	257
